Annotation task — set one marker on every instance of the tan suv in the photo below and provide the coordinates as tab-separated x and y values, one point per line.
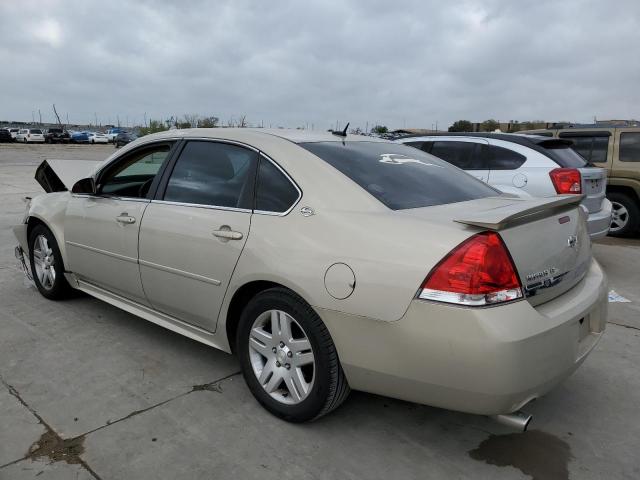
618	150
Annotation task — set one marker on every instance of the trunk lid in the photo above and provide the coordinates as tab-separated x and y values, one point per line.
547	238
61	175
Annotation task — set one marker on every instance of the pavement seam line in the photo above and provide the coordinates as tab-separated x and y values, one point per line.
16	394
625	326
159	404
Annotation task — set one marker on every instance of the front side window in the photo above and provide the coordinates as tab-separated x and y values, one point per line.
399	176
630	147
214	174
275	192
133	175
464	155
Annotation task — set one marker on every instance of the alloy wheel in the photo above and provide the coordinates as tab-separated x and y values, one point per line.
281	357
619	217
43	260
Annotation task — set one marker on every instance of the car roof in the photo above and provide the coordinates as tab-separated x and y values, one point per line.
522	139
293	135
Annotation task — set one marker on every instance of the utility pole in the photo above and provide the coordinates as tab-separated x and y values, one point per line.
40	115
33	119
95	117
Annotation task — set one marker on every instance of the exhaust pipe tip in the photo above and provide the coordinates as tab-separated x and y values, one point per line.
517	420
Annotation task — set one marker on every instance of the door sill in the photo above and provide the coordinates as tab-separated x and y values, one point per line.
171	323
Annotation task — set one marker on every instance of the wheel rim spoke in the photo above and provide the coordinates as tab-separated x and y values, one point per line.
281	357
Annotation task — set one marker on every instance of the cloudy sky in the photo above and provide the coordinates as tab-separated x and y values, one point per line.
297	63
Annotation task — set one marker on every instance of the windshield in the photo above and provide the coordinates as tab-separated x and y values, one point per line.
400	177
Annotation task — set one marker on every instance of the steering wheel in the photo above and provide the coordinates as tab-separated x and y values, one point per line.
144	188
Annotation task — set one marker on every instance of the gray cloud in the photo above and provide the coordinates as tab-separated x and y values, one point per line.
294	63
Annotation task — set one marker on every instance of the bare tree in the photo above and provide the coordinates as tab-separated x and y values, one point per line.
242	122
192	119
56	114
230	122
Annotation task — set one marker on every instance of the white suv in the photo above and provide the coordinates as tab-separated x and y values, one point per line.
30	135
525	165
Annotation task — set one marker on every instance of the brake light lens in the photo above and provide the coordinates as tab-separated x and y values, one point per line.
478	272
566	180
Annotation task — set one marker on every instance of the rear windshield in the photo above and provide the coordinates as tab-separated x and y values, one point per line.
400	177
560	151
35	130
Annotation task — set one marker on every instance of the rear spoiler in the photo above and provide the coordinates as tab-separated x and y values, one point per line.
60	175
519	210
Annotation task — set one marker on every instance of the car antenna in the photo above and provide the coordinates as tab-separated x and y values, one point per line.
343	133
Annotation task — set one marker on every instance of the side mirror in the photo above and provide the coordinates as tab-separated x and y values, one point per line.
85	186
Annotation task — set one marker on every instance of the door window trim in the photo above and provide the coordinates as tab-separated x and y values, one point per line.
162	186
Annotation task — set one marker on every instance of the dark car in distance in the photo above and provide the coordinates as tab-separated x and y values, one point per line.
123	138
5	135
57	135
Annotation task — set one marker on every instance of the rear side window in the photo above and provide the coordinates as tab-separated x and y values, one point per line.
593	148
464	155
630	147
504	159
399	176
275	192
215	174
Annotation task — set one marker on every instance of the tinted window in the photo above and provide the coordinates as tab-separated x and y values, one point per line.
630	147
465	155
217	174
504	159
275	193
399	176
35	130
592	149
560	152
132	176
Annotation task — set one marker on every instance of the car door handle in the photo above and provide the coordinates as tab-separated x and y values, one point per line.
124	218
227	234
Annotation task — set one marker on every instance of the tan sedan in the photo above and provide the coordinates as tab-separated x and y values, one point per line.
327	263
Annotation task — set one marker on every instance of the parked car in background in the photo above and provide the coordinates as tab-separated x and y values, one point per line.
5	135
465	298
112	133
95	137
123	138
57	135
617	150
30	135
14	132
525	165
79	137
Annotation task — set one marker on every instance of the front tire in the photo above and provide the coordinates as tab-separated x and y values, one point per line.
625	220
47	267
288	358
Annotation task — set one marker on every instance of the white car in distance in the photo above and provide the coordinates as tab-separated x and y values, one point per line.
526	166
30	135
95	137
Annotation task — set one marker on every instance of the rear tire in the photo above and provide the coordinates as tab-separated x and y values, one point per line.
293	369
47	267
625	220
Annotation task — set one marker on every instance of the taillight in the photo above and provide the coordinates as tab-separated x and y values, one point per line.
566	180
477	272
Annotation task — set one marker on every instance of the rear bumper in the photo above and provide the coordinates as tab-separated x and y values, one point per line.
598	222
477	360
